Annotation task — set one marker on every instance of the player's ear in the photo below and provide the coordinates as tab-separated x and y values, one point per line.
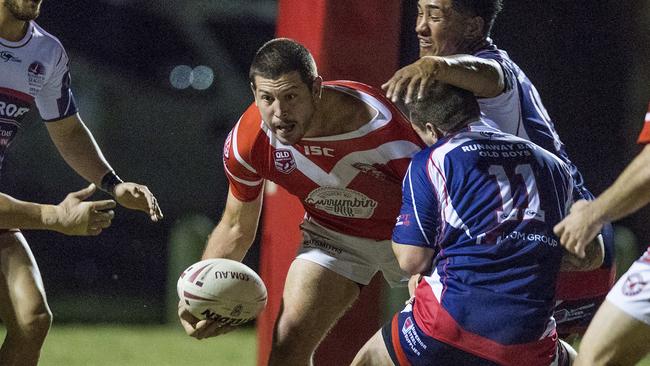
474	28
434	132
317	87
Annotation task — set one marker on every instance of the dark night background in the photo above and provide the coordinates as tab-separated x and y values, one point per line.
589	61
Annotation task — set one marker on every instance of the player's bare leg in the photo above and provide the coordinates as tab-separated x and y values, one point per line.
23	307
373	353
613	338
314	299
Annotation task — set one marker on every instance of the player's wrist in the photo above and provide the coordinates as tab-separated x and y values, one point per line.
50	217
109	181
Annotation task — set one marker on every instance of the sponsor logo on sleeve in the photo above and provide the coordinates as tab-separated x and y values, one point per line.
7	56
403	219
284	161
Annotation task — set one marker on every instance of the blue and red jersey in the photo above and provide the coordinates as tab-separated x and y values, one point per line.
486	203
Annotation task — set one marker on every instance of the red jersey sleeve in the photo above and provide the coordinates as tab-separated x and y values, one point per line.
644	137
245	181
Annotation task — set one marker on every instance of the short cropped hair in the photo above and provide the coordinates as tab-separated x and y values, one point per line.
281	56
446	107
486	9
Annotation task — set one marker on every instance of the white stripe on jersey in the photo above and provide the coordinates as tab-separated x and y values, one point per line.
381	118
235	149
343	172
647	117
435	284
243	181
415	206
435	167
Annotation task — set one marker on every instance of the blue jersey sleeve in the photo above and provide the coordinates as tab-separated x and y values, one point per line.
418	221
509	72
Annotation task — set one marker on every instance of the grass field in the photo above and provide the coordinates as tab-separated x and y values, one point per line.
146	345
143	345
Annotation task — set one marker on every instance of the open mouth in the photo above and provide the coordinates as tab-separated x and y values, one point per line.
425	43
286	128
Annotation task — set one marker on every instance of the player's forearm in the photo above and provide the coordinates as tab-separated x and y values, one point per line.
236	230
482	77
630	191
79	149
26	215
228	241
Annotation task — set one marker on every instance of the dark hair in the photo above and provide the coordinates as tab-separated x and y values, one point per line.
281	56
445	106
486	9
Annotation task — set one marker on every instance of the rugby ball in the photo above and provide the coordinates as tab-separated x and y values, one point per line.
222	290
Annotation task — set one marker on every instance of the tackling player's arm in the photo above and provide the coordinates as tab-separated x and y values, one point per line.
73	216
630	192
483	77
78	148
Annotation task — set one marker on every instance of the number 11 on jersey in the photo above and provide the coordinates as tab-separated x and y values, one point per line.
508	212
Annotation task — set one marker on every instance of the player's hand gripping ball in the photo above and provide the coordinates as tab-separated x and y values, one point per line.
222	290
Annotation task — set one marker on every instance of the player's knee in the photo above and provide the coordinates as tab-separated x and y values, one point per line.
287	332
33	327
287	347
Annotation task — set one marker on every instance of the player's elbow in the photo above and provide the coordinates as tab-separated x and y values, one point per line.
412	259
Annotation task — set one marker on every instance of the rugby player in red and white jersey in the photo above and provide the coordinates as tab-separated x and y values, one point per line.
342	148
456	48
34	70
620	332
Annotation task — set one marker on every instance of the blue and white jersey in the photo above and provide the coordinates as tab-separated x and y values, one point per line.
33	70
519	111
486	202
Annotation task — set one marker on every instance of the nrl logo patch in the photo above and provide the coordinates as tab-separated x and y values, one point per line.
284	161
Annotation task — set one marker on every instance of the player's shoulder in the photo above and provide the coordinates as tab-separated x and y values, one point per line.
247	132
45	39
491	51
389	116
371	95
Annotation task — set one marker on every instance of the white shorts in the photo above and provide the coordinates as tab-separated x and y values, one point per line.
355	258
632	292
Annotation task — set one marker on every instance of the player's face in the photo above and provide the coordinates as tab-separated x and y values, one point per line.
23	9
286	105
440	29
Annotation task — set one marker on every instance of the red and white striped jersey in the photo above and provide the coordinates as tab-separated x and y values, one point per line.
350	182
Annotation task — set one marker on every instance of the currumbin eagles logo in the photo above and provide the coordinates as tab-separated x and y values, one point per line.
342	202
284	161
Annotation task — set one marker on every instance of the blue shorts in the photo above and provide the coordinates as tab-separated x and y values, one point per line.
408	345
